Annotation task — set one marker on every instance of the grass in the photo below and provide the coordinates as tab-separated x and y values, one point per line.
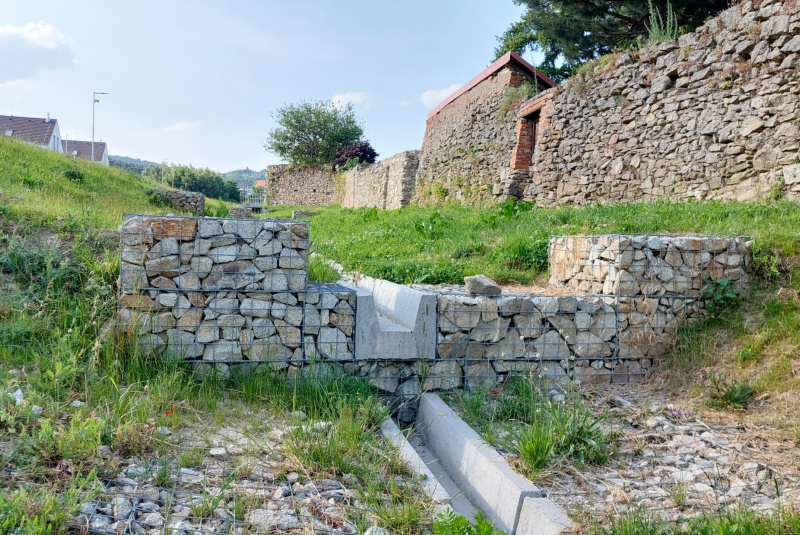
56	299
445	244
542	433
61	192
727	521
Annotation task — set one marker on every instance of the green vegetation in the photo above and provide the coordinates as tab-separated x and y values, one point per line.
449	523
135	166
735	521
570	33
725	394
245	177
313	133
208	182
35	184
661	29
445	244
523	420
516	95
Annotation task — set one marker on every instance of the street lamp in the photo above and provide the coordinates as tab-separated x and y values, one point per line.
94	101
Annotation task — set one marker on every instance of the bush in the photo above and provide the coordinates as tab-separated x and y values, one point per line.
354	154
723	394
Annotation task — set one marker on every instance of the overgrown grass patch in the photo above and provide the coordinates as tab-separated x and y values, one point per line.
444	244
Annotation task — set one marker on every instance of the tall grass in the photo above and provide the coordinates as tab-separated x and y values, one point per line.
661	29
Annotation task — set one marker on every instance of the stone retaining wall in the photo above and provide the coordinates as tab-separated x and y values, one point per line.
387	184
711	115
300	185
185	200
226	292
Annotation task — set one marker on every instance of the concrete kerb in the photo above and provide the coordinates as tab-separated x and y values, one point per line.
484	475
392	433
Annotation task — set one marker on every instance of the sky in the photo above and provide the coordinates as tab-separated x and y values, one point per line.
198	82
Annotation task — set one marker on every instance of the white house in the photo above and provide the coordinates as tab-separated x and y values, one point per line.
42	132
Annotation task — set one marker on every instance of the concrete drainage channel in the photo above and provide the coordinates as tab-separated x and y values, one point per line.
462	471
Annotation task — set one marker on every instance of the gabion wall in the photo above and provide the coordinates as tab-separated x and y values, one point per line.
228	292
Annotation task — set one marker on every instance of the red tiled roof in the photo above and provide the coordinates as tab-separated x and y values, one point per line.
30	129
502	61
84	149
260	184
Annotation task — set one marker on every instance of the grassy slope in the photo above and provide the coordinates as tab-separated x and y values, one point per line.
445	244
34	185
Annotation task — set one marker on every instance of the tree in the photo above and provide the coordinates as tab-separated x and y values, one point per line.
571	32
205	181
354	154
312	133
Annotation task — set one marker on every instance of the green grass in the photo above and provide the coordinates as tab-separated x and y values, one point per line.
445	244
59	191
724	522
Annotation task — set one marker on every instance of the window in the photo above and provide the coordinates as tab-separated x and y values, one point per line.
9	132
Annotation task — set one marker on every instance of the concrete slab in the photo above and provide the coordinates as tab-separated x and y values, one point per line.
540	516
392	433
473	465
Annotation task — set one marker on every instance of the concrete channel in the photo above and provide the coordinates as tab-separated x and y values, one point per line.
463	472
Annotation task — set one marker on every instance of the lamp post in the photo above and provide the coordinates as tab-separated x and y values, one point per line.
94	101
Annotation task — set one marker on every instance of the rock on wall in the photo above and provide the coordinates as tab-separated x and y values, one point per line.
298	185
387	184
467	146
227	292
712	115
186	200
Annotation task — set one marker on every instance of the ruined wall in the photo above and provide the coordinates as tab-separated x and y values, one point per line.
387	184
185	200
467	147
713	115
298	185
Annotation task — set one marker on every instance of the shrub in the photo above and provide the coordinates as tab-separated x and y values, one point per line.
449	523
724	394
516	95
353	154
74	175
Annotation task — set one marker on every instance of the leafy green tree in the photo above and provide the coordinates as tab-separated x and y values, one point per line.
205	181
312	133
570	33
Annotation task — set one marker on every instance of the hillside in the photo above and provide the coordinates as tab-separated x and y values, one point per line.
45	187
244	177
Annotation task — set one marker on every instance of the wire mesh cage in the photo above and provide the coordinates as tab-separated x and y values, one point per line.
229	292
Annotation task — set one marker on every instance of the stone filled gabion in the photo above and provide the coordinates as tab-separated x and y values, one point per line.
648	265
225	291
188	200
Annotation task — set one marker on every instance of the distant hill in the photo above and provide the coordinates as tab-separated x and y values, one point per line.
244	177
132	165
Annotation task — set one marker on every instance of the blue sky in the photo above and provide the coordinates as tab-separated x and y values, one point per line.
196	82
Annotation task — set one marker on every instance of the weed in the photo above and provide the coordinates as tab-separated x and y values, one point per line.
192	457
162	478
513	208
516	95
74	175
661	29
578	433
718	295
678	494
450	523
534	444
320	271
724	394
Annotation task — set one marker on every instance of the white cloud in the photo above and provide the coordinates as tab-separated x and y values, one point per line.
29	49
182	126
37	33
351	97
432	97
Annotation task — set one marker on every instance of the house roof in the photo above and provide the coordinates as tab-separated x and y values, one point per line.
83	149
512	58
260	184
30	129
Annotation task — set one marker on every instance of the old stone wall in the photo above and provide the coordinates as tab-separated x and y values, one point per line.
226	293
467	147
711	115
299	185
185	200
387	184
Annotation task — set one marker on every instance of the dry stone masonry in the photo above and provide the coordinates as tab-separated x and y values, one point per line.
185	200
300	185
711	115
387	184
227	292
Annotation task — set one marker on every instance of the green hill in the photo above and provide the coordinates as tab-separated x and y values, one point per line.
245	177
46	187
